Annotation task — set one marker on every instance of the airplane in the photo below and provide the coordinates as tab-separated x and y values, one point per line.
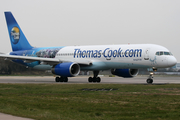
123	60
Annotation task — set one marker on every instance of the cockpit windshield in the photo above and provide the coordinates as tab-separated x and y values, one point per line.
163	53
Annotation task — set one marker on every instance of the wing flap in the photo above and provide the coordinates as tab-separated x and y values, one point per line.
51	61
28	59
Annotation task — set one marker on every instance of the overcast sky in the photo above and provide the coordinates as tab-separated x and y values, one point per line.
94	22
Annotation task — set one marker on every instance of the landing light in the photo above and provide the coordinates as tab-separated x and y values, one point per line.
151	73
155	69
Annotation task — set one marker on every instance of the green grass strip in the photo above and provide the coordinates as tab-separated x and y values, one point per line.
91	101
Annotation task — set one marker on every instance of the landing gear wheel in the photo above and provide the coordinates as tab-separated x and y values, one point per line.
57	79
61	79
65	79
90	79
149	81
95	78
150	78
98	79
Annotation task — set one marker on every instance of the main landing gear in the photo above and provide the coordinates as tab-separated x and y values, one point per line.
61	79
95	78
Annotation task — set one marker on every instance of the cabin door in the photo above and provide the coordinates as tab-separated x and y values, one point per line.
146	54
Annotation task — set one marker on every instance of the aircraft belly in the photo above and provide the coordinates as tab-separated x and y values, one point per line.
96	66
42	67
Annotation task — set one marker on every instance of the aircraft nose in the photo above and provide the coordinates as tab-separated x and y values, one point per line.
172	61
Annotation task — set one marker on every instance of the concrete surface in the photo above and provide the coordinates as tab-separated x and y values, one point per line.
84	79
11	117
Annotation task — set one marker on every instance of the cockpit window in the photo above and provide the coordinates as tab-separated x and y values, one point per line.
166	53
157	53
163	53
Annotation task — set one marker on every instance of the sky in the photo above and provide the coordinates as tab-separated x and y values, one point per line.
94	22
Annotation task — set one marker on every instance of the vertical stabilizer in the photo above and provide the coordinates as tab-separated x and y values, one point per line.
17	38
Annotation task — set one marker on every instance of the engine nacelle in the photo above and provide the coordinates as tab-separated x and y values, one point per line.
125	72
68	69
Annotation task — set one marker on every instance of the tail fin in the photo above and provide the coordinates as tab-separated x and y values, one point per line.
17	38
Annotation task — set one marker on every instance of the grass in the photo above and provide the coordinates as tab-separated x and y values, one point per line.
73	102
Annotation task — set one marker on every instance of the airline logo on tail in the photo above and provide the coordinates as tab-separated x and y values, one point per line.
15	35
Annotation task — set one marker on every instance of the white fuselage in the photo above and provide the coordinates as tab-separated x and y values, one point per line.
105	57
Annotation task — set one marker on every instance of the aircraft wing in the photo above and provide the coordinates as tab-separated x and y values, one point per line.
51	61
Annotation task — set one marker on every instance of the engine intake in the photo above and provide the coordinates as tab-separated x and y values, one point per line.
125	72
68	69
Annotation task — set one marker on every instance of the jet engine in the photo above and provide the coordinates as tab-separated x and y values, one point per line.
125	72
68	69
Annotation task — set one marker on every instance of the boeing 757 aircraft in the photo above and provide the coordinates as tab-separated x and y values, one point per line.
67	61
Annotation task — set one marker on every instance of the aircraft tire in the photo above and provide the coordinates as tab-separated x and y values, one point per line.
98	79
57	79
61	79
65	79
149	81
90	79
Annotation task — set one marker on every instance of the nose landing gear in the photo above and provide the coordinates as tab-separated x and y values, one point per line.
150	78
